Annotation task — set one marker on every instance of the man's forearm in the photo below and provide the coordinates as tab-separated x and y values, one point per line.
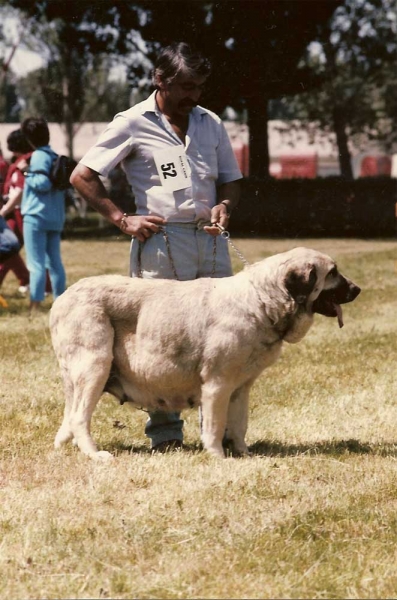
229	193
91	188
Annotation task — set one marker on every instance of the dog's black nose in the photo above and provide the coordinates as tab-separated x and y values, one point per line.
354	292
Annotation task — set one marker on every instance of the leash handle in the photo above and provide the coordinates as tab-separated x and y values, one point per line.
224	233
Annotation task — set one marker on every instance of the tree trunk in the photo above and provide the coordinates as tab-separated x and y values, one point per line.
258	138
341	139
67	117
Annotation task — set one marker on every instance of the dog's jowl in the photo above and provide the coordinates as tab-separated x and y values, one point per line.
170	345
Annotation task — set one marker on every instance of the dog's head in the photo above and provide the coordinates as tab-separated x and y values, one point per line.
314	282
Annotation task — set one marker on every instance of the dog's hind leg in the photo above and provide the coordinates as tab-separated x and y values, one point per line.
89	385
214	406
84	384
65	433
237	420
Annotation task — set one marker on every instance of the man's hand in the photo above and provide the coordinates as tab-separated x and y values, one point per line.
141	226
218	215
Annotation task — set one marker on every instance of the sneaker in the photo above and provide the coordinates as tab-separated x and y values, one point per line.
23	289
167	446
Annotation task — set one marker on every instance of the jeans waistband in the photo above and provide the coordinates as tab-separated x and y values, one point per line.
195	225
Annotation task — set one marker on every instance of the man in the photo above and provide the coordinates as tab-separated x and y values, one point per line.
181	167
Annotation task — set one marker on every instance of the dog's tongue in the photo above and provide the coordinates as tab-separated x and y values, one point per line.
339	314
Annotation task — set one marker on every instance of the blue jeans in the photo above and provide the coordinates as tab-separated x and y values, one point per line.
193	256
43	251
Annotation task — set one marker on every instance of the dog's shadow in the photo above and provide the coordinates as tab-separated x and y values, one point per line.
276	449
118	448
335	448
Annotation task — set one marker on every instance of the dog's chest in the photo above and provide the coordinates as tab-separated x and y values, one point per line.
263	355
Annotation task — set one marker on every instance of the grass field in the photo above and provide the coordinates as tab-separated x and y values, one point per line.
313	514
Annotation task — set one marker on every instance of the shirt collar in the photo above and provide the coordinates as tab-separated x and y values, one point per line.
150	105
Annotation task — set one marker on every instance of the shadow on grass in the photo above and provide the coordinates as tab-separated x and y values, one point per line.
335	448
120	448
328	448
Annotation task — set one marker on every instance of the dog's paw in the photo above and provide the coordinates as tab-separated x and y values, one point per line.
216	452
235	449
62	437
102	455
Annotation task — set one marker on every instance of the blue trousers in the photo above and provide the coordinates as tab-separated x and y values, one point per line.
43	251
191	254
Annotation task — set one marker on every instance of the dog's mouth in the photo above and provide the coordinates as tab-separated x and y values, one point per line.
329	301
328	307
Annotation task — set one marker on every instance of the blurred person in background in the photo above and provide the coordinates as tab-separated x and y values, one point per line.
21	151
43	212
12	197
3	172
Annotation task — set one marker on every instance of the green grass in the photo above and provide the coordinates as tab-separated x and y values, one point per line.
311	515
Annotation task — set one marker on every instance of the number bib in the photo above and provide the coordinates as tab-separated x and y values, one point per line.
173	168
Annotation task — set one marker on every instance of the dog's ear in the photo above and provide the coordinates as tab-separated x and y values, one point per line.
300	283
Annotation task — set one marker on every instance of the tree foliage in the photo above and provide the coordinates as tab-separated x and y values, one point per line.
358	64
41	93
255	47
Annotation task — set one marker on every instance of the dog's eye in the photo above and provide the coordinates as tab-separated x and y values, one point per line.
333	272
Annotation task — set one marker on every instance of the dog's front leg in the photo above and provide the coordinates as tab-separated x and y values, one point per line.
237	420
214	406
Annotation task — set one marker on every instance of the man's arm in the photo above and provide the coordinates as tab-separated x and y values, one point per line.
228	198
87	182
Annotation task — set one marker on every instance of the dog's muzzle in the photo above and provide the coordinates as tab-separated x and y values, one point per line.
329	302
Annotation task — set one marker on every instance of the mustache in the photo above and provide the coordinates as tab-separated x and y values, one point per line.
187	103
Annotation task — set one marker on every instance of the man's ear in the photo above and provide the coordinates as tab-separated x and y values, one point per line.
300	283
161	85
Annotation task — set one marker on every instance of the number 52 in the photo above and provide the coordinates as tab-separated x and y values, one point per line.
169	170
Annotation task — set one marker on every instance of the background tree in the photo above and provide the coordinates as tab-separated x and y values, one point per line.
78	44
255	48
358	65
9	103
41	93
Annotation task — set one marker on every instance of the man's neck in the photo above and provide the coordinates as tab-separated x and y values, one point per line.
179	123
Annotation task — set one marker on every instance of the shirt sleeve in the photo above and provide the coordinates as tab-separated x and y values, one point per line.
228	169
38	174
113	145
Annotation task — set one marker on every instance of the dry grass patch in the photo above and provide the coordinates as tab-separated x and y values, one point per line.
310	515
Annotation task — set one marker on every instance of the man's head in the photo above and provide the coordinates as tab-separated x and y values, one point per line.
36	131
179	74
17	143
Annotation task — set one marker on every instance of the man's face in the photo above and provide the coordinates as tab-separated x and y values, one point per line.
182	94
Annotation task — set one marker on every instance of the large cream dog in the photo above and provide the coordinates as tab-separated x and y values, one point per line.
169	345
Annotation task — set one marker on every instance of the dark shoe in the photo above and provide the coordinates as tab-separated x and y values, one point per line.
167	446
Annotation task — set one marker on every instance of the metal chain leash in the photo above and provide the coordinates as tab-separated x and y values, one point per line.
224	234
167	243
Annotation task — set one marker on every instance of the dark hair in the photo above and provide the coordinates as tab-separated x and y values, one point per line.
180	58
17	142
36	131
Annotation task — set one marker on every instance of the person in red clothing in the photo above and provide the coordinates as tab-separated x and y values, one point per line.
12	193
3	172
